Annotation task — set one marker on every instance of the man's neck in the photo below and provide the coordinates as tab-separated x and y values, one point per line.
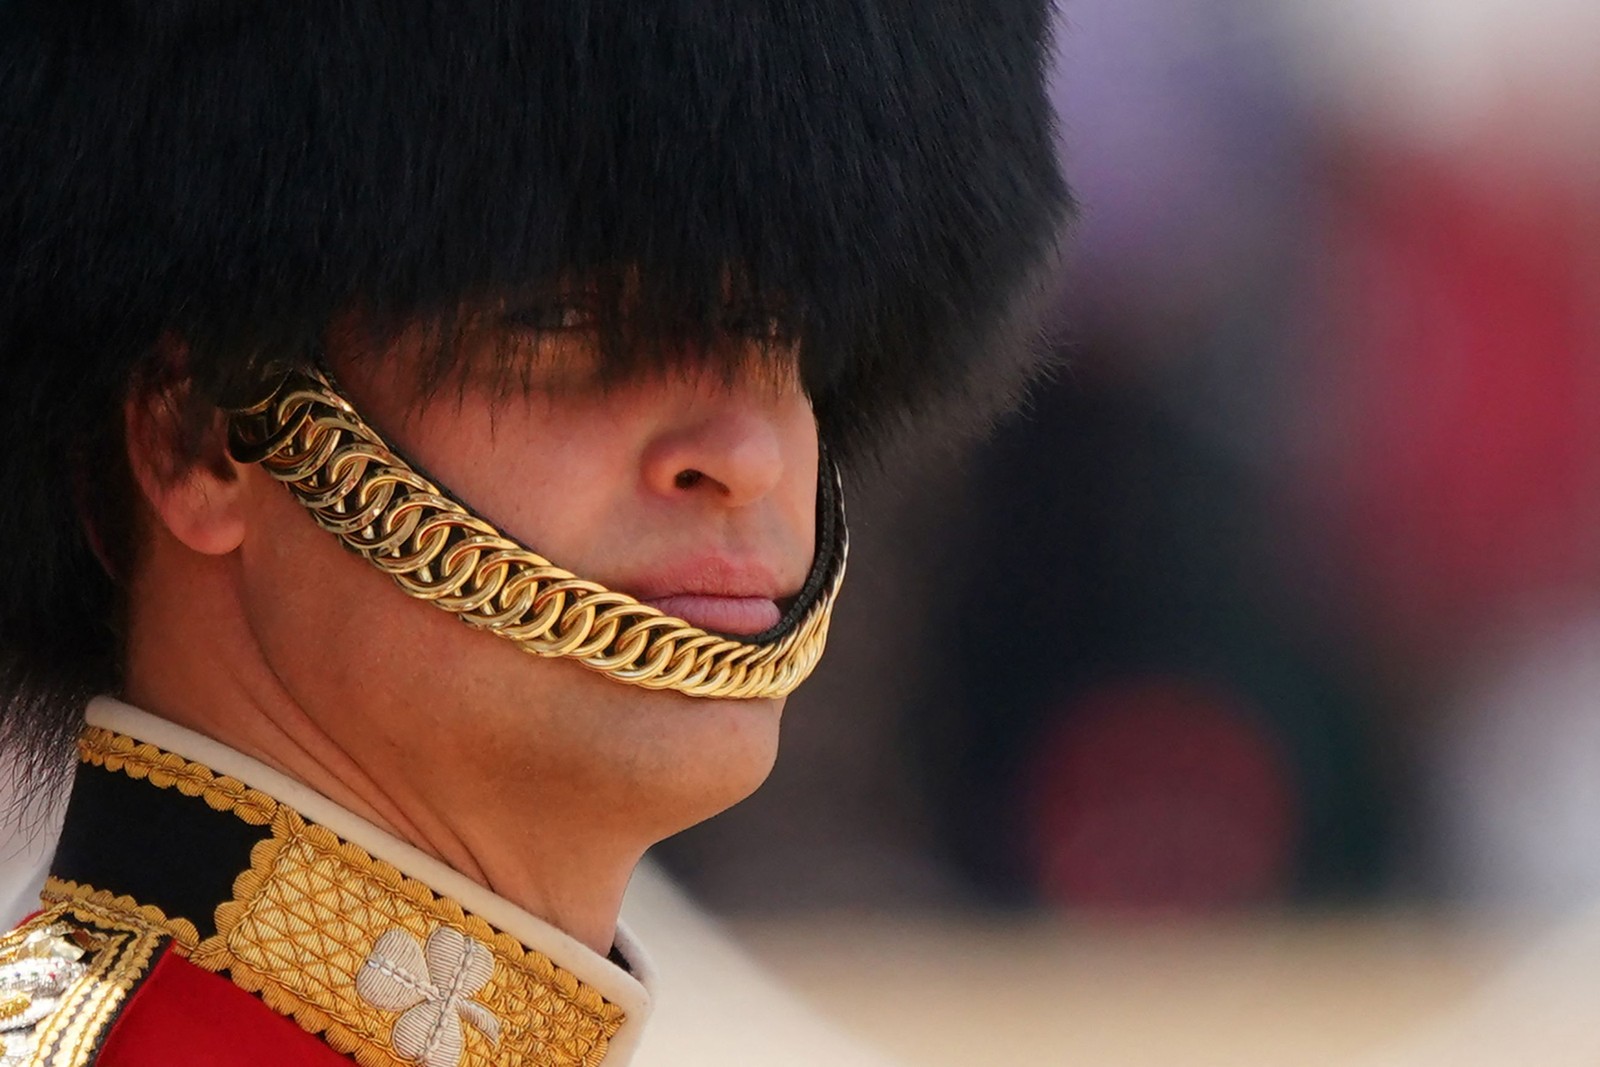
585	912
567	879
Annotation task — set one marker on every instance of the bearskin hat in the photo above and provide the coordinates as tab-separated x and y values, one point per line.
239	175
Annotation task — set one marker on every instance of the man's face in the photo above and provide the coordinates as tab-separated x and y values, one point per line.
694	491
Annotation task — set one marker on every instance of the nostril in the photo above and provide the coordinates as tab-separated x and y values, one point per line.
687	479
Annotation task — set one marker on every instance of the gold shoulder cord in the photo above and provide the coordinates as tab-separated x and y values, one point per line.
313	440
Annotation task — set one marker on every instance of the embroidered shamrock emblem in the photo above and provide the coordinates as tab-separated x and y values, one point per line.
432	986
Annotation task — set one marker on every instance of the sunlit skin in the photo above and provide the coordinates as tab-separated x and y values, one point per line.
538	778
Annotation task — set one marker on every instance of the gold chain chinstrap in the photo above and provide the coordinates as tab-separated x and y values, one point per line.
358	488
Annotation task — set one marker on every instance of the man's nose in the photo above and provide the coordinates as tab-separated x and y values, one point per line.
727	451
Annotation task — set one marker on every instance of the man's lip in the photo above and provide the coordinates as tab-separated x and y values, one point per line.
721	614
711	576
716	593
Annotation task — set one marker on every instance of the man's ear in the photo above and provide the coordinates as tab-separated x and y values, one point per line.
177	451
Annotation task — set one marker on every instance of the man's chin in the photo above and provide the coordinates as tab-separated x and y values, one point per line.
673	759
705	756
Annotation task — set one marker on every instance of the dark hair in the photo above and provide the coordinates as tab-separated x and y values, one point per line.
240	175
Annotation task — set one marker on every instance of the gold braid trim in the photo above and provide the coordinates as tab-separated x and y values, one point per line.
311	439
304	920
168	770
105	906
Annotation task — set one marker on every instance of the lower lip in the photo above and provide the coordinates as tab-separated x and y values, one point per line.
721	614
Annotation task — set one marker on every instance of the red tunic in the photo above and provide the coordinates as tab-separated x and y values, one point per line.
180	1014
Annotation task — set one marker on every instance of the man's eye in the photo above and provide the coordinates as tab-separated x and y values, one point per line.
555	317
757	324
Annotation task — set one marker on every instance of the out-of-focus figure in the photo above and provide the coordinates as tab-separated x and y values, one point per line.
1448	471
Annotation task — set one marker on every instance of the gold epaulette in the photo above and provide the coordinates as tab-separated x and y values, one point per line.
65	973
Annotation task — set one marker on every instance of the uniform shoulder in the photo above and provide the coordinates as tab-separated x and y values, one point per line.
65	974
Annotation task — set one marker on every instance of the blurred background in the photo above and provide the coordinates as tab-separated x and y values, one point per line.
1253	671
1239	701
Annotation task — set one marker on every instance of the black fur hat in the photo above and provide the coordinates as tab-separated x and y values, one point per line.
240	174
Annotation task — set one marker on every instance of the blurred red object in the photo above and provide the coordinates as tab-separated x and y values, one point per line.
1456	400
1160	793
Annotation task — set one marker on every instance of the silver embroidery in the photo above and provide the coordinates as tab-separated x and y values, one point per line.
432	986
33	978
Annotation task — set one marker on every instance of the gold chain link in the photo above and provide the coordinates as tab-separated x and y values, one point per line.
311	439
